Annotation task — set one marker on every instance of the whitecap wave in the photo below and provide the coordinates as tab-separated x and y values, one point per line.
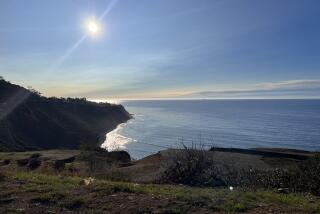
115	141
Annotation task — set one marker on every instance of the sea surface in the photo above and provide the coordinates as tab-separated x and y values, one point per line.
161	124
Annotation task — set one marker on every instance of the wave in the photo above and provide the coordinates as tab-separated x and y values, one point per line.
115	141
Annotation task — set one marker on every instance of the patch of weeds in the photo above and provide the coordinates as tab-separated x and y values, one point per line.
107	188
74	203
235	207
297	201
114	175
47	198
31	187
123	188
198	201
54	182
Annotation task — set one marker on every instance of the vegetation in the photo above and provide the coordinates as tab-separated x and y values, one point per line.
62	193
191	166
70	189
30	121
194	166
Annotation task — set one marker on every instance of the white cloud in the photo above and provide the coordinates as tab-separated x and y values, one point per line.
289	88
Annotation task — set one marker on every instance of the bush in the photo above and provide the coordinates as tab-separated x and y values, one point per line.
191	166
34	163
194	166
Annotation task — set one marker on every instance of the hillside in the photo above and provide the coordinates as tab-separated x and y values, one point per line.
57	181
29	121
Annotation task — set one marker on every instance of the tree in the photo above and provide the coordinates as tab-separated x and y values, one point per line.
32	90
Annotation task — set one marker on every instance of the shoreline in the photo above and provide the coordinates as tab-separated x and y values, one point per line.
103	136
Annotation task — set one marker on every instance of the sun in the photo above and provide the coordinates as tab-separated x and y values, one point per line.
93	27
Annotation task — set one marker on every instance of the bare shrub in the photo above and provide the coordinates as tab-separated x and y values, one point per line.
194	166
305	178
191	166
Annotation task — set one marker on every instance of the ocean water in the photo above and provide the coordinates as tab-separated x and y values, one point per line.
160	124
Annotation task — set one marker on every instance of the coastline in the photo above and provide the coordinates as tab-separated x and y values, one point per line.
103	136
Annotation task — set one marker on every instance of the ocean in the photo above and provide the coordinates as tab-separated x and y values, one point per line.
161	124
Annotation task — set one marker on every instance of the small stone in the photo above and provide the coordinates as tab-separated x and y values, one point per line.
283	190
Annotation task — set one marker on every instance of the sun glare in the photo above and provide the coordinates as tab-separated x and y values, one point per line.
93	27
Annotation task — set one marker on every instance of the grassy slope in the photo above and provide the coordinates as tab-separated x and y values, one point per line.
44	190
39	192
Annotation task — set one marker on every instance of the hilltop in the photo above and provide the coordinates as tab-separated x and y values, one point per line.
29	121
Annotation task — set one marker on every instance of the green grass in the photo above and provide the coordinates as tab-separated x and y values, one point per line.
296	201
57	154
50	188
235	207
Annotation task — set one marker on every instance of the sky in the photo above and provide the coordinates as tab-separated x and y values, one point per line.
163	48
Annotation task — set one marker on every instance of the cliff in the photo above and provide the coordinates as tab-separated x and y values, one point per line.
29	121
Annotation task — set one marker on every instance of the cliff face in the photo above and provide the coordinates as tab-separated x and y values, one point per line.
29	121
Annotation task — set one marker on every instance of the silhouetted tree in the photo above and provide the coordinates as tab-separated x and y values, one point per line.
34	91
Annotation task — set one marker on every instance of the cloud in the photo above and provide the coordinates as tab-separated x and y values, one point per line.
289	88
290	84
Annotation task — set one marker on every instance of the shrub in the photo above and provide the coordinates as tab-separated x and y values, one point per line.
194	166
34	163
191	166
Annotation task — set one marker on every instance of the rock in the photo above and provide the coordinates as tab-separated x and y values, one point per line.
6	162
87	181
34	163
59	165
23	162
283	190
6	200
35	155
121	156
68	160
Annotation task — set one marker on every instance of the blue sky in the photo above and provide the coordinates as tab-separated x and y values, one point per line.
163	48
